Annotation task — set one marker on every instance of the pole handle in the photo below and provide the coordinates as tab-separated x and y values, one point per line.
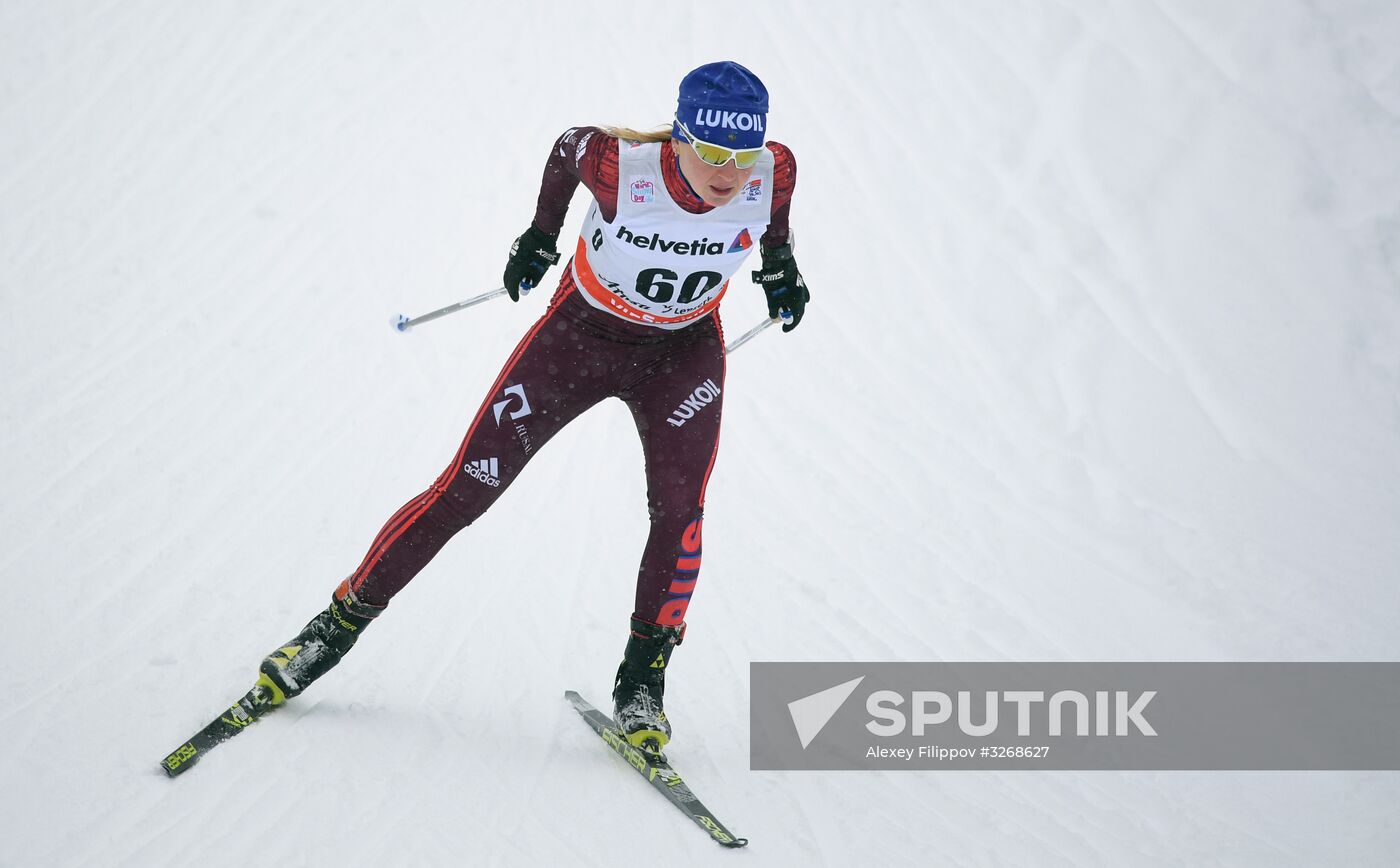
784	318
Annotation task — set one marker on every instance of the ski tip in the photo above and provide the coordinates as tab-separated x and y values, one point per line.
737	842
180	759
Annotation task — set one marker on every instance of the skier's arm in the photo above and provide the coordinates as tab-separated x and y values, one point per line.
584	154
580	154
784	182
779	277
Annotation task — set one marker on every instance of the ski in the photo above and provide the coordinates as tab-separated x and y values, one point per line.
246	711
655	769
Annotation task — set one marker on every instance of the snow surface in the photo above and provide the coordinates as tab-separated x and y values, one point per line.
1103	363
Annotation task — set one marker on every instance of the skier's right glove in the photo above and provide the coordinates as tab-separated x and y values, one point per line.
783	285
530	257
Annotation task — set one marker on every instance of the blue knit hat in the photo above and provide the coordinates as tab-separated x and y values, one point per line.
723	104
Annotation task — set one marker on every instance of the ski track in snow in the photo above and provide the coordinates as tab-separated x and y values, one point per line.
1100	365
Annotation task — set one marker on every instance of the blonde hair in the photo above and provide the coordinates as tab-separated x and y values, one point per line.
660	134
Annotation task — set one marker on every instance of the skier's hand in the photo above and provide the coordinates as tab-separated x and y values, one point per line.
531	255
783	285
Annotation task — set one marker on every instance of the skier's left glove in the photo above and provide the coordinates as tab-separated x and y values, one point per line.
530	257
783	285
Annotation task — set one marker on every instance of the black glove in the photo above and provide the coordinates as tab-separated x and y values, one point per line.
783	284
530	257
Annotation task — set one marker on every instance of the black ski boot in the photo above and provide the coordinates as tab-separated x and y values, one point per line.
641	682
290	669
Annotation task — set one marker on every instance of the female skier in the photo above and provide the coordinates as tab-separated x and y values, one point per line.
635	317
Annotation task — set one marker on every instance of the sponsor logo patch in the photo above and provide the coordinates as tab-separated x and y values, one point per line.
643	190
753	190
687	572
486	470
698	400
512	392
694	247
566	140
742	241
523	435
728	120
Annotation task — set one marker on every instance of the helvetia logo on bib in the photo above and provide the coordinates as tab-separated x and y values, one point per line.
694	247
742	241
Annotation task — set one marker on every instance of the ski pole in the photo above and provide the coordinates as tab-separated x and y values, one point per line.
403	323
753	332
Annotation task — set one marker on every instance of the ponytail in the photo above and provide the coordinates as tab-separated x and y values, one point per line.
660	134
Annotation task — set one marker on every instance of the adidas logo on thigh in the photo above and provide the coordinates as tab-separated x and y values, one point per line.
486	470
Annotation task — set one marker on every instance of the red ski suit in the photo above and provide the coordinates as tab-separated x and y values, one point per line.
573	357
